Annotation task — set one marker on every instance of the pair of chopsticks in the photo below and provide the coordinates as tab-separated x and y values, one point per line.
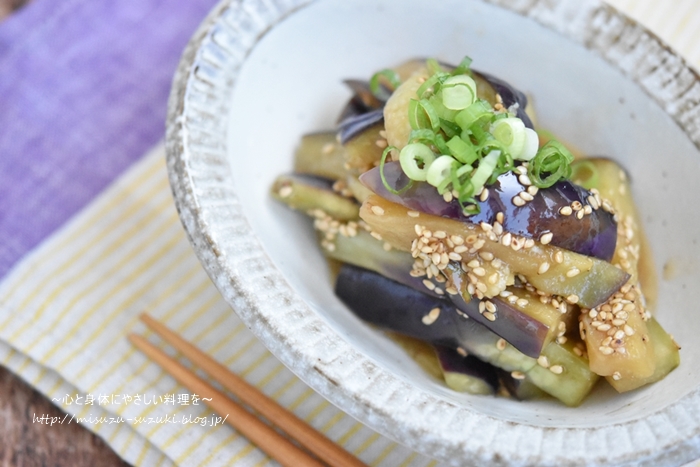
258	432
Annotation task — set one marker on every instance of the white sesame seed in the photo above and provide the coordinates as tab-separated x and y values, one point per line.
566	211
506	239
500	217
573	272
559	257
431	317
546	238
579	215
486	227
429	285
484	194
616	376
517	375
518	201
524	179
526	196
561	340
376	235
489	316
501	344
628	330
378	210
447	196
493	278
481	272
573	299
522	302
285	191
556	369
413	213
606	350
462	352
491	307
544	267
533	190
604	327
543	361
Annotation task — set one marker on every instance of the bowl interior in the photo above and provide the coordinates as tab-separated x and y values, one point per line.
291	84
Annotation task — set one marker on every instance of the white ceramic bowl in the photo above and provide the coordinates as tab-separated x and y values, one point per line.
259	74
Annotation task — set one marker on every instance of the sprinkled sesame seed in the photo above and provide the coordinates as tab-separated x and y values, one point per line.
462	352
376	235
447	196
522	302
566	211
490	306
524	180
519	375
573	272
378	210
493	278
429	285
486	227
533	190
556	369
431	317
616	376
481	272
413	213
579	215
387	246
587	210
526	196
576	206
518	201
500	217
454	256
559	257
628	330
484	194
529	243
501	344
544	267
604	327
573	299
578	351
489	316
561	340
506	239
285	191
543	361
546	238
606	350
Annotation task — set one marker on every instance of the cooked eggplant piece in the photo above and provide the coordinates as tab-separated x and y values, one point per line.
521	388
582	279
309	193
357	124
401	309
466	373
362	100
522	319
321	155
594	234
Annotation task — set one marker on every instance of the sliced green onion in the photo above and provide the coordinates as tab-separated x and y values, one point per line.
431	85
440	170
433	66
532	143
463	67
585	173
484	171
478	111
552	159
463	151
421	114
415	159
458	92
374	83
511	133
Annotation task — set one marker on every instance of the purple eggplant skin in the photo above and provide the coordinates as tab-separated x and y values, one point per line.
524	332
390	305
403	309
357	124
469	366
594	235
527	334
509	96
362	100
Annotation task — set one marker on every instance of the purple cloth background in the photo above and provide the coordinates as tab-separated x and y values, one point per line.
83	94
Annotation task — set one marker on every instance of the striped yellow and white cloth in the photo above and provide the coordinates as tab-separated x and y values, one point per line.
67	307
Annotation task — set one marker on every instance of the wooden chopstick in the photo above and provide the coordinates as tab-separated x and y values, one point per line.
261	434
307	436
